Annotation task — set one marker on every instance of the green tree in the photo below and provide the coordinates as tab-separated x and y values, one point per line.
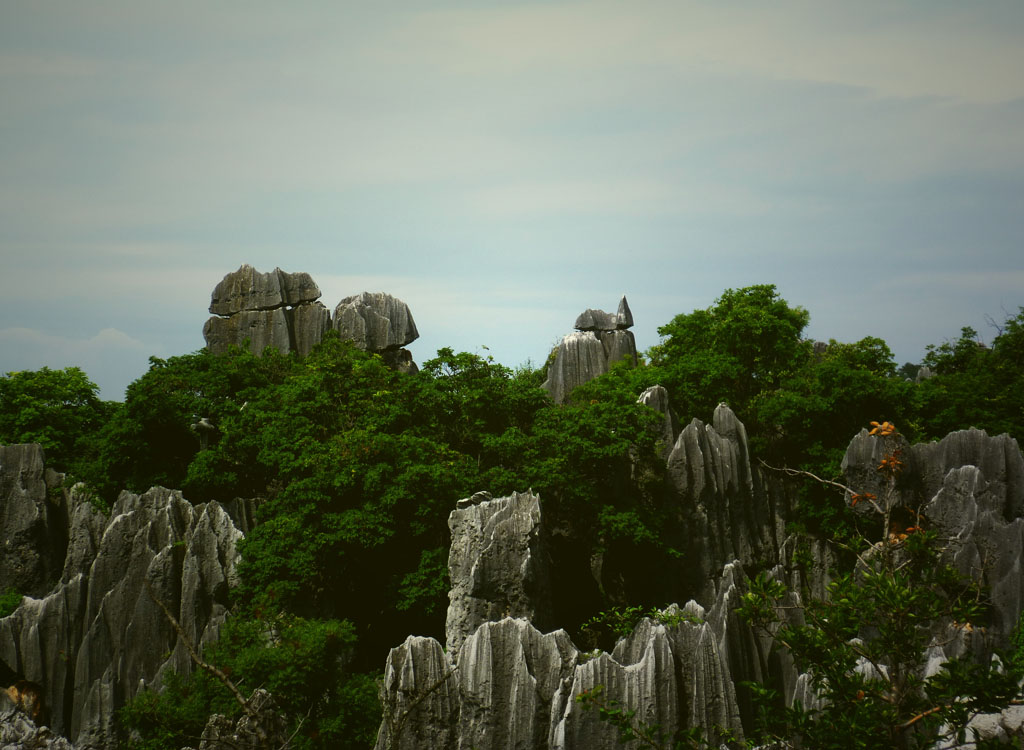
59	409
976	385
742	345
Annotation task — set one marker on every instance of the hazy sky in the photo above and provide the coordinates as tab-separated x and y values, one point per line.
501	166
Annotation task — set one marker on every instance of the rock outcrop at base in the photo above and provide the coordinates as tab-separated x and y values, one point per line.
19	732
600	340
98	637
280	310
263	725
496	563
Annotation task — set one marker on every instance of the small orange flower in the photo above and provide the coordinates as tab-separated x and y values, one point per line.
862	496
885	429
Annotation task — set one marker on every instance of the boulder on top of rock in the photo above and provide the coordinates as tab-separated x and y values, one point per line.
248	289
599	320
375	321
599	341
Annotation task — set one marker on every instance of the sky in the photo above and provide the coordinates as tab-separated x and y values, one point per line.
502	166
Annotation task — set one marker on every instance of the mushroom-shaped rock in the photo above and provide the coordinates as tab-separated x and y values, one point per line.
375	322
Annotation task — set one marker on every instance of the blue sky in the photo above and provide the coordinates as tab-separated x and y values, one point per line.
502	166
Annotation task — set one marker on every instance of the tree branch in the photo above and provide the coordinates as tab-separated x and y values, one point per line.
223	678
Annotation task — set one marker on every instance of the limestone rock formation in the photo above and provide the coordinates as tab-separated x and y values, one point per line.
501	677
656	397
502	683
729	516
375	322
248	289
33	521
281	310
497	564
275	309
19	732
263	726
600	340
98	637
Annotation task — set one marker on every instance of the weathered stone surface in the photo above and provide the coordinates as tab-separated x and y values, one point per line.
33	521
19	732
420	698
671	675
308	324
617	345
97	638
728	517
599	320
496	563
511	679
513	687
261	328
656	397
580	357
375	322
248	289
599	342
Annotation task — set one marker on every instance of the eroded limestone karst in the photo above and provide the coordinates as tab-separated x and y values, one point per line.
600	340
97	636
502	682
282	310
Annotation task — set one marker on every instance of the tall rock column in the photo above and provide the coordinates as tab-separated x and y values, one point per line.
496	563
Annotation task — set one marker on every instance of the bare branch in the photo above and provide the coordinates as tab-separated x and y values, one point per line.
223	678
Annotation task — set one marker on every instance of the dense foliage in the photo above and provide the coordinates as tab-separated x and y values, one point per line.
357	468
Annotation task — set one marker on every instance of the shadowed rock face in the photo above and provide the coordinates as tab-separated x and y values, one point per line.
19	732
502	683
496	564
33	521
600	340
97	637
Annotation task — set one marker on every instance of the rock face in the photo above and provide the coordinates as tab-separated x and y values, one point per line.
970	487
728	515
281	310
377	323
19	732
502	683
275	309
33	521
98	637
496	563
600	340
264	725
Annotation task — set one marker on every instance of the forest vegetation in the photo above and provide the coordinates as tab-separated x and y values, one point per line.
358	467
